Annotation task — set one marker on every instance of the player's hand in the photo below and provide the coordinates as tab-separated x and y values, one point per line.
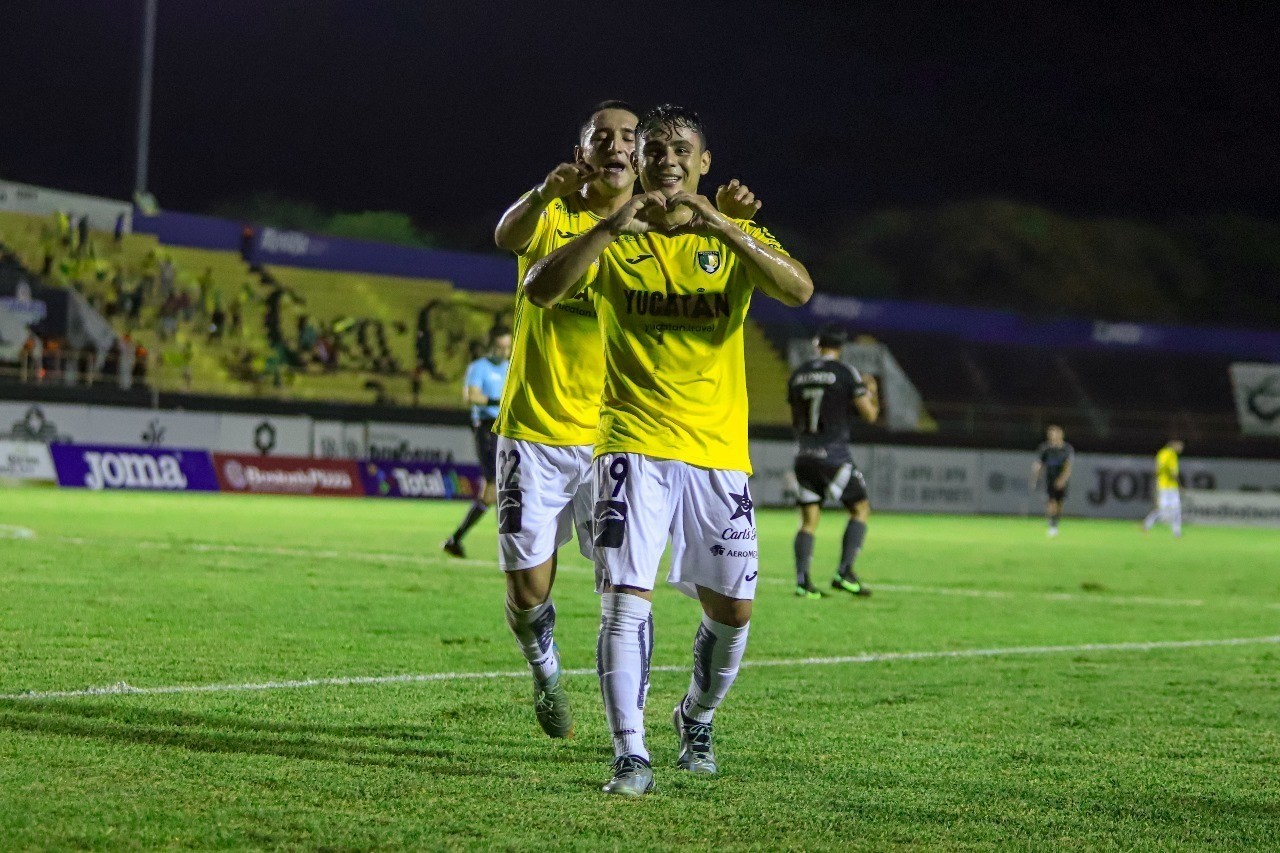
873	387
736	201
638	216
565	179
704	219
1060	484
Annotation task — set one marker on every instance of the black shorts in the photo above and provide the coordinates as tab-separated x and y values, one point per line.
487	450
1056	494
820	479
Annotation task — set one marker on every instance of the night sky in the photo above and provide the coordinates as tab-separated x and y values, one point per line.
449	110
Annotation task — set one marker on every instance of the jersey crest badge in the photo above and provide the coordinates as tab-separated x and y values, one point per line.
709	261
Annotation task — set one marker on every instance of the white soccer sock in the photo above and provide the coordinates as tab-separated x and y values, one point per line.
534	630
717	654
1151	519
1175	521
623	652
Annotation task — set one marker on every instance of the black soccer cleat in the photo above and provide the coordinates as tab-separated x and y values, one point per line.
809	592
453	548
850	584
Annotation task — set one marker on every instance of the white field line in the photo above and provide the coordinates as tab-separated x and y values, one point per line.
123	689
569	566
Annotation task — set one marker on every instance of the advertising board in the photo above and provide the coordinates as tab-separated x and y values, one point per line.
287	475
442	481
98	466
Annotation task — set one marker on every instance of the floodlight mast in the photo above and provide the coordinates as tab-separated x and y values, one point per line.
144	96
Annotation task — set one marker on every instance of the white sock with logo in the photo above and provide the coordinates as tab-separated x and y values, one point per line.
717	654
534	630
623	653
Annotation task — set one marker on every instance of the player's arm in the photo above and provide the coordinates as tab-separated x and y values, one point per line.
777	274
561	273
1035	471
868	405
472	394
518	225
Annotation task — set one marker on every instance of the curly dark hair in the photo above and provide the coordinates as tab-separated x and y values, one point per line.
671	117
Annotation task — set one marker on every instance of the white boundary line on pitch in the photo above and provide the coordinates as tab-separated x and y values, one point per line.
123	689
434	560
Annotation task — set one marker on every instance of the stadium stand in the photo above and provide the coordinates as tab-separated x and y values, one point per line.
209	323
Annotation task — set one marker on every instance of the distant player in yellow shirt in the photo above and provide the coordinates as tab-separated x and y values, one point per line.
1168	506
551	402
671	279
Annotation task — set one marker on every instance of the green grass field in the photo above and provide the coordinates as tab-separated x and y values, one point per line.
1072	732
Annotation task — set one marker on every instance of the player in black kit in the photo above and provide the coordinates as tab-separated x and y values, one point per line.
1054	456
824	394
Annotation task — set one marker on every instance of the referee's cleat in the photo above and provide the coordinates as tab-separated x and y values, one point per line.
453	548
850	584
632	777
695	744
809	591
551	706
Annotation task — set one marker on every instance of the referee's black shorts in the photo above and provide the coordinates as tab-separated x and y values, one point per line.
487	449
819	479
1056	494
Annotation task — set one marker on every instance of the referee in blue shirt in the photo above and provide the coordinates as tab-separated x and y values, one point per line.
482	388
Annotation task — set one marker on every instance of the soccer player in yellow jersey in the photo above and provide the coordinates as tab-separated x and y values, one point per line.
1168	506
671	279
551	402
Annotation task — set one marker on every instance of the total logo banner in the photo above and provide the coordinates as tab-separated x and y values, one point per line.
440	480
287	475
99	467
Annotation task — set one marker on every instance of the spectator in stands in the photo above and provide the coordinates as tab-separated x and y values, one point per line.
125	363
168	278
52	364
82	234
88	363
246	245
415	383
217	317
62	223
169	317
31	358
118	234
140	358
307	337
205	288
237	318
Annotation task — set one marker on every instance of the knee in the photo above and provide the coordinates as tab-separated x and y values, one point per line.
861	511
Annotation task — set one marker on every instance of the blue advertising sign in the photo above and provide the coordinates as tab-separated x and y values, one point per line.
440	480
85	466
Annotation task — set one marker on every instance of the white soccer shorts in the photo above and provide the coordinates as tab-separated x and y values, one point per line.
707	513
544	494
1169	501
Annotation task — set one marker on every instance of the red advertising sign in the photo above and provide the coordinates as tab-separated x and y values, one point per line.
287	475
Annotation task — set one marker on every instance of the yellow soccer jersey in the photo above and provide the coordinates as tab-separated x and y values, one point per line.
552	395
1166	469
671	313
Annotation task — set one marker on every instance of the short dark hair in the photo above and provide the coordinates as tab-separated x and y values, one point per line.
611	104
832	336
671	117
497	332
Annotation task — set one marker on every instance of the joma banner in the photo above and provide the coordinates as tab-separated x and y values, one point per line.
86	466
